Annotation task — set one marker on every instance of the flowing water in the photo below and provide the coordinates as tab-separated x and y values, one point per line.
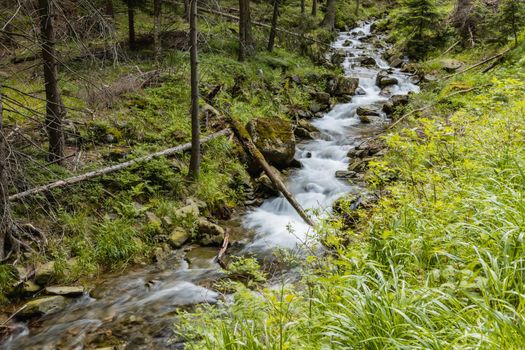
139	308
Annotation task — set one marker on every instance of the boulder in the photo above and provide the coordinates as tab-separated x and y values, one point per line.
304	114
178	237
302	133
153	219
321	97
275	139
209	233
338	57
365	119
394	102
387	90
307	125
43	306
71	291
344	174
44	273
360	91
368	62
30	287
340	86
347	43
369	110
266	186
187	212
396	62
451	65
315	107
383	79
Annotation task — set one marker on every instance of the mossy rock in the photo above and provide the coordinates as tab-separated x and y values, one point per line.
275	139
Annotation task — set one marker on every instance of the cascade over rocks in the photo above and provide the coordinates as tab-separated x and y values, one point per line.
275	139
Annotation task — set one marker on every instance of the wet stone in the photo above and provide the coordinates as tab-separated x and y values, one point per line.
43	306
71	291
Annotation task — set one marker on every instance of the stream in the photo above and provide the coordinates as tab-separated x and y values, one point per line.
139	308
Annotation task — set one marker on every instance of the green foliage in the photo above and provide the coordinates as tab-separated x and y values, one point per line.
511	19
7	278
418	21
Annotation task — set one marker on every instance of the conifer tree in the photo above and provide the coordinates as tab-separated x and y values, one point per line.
418	21
511	18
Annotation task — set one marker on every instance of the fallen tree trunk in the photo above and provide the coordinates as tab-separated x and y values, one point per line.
114	168
477	64
245	139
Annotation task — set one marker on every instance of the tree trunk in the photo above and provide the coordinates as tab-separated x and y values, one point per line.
303	9
5	213
110	10
187	10
246	47
314	8
55	111
131	28
273	30
157	9
195	127
329	17
357	4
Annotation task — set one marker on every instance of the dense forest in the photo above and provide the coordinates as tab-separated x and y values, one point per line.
264	174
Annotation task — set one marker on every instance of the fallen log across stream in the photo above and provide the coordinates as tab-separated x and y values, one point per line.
244	138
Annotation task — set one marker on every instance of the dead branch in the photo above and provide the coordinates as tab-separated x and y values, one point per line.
222	251
114	168
499	55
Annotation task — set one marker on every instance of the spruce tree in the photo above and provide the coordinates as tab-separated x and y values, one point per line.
511	18
418	22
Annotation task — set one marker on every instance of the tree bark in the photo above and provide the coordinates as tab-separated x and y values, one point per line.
157	10
243	136
5	212
303	8
273	29
110	10
187	10
55	110
357	4
131	28
195	127
246	47
314	8
329	17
